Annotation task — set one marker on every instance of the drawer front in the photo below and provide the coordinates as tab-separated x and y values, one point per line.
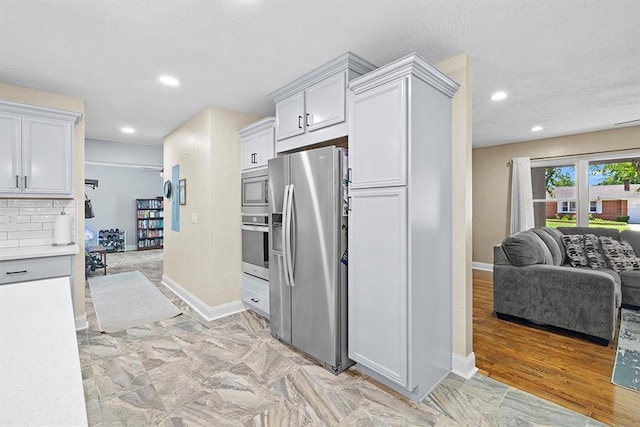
34	269
256	302
256	285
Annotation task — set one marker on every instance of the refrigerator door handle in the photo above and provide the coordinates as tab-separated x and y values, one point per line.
287	243
285	234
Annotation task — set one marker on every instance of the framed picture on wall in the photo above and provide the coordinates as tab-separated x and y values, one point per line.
182	191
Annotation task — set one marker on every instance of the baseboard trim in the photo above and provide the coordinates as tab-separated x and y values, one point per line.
482	266
205	311
464	367
81	322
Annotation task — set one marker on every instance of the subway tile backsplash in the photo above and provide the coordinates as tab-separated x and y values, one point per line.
30	222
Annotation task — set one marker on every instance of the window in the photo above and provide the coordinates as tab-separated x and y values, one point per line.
587	191
567	207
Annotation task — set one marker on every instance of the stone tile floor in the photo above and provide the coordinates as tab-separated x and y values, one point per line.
185	371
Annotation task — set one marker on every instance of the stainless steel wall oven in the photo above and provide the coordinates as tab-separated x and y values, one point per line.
255	224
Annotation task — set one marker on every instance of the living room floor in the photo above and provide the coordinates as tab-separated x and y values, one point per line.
186	371
560	367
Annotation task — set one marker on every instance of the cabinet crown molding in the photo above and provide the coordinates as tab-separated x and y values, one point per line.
51	113
412	64
266	123
344	62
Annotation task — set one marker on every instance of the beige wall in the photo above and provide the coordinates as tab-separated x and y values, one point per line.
459	69
52	100
492	175
204	258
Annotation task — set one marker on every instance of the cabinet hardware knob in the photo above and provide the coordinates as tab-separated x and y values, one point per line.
349	171
349	203
307	121
255	300
25	181
299	122
17	181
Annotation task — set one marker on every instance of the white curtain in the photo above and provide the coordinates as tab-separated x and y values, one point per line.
521	195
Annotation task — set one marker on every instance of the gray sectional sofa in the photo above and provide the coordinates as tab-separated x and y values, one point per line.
534	280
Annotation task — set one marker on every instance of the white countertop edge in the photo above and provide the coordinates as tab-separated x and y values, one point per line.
8	254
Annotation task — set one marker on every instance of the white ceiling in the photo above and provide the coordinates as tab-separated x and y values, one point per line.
570	66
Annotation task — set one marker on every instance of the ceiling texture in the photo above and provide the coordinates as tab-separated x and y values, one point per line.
570	66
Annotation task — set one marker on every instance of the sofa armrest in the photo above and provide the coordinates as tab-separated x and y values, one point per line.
577	299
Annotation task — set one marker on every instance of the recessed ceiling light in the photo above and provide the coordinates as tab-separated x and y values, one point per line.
127	130
536	129
499	96
169	80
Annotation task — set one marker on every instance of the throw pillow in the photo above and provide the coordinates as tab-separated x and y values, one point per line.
526	248
592	251
557	250
620	255
574	245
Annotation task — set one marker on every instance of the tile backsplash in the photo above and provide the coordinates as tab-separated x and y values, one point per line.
30	222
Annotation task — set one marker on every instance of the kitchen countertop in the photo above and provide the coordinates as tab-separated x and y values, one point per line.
7	254
40	378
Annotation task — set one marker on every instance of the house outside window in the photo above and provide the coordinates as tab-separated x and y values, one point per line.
569	206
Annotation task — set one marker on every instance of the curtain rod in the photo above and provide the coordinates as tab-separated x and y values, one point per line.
569	156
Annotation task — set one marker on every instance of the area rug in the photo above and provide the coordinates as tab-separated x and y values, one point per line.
626	370
125	300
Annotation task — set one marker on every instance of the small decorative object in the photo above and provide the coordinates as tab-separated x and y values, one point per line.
182	191
167	189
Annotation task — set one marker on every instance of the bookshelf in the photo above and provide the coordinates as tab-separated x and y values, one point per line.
150	223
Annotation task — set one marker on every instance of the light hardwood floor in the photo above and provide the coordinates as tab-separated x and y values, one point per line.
564	369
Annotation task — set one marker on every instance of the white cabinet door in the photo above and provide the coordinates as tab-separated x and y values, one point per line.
378	305
248	152
257	149
325	102
290	116
9	152
378	137
46	155
264	148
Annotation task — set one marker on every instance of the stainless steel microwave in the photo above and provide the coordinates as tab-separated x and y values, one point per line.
254	191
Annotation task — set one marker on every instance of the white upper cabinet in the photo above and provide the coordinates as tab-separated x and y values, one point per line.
312	108
290	114
325	103
257	141
36	150
9	152
378	139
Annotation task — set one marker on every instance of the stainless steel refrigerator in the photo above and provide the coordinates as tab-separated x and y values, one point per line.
307	238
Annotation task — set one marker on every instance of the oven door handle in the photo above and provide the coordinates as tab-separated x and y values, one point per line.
255	228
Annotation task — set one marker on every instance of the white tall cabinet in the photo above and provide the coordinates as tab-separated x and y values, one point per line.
35	150
400	225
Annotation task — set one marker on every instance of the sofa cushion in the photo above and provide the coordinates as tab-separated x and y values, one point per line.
633	237
526	248
557	236
574	245
557	250
630	279
593	252
620	255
